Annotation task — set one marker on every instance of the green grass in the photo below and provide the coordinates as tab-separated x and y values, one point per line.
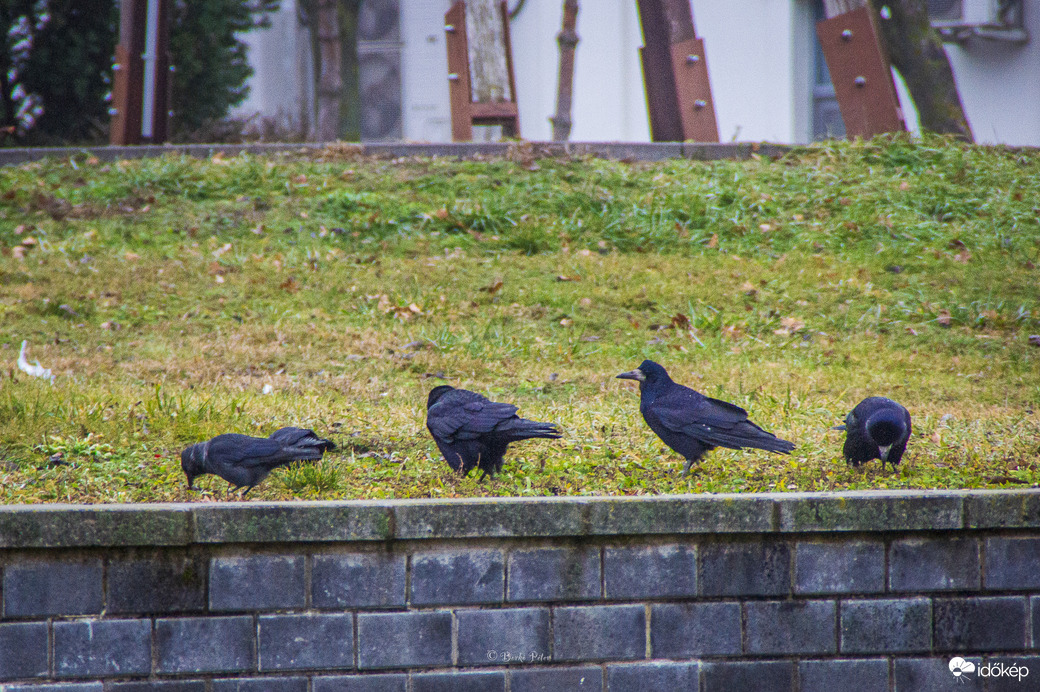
165	293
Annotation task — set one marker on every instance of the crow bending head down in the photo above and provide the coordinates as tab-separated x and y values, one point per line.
691	423
241	460
878	428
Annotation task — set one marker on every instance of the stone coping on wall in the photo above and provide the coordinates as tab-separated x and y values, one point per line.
634	151
181	524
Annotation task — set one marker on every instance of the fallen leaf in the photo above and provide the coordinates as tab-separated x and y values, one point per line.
936	437
1034	339
681	321
563	277
384	303
441	214
29	242
713	242
221	250
944	318
18	251
21	228
131	256
566	322
963	256
494	287
957	244
789	325
290	285
765	227
300	179
911	331
904	186
585	302
219	278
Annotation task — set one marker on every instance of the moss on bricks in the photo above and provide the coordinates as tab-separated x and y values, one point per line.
60	526
870	511
271	522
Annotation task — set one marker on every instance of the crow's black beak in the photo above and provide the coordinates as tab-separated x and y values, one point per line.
838	427
636	375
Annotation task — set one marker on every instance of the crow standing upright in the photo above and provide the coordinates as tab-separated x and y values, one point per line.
302	437
878	428
241	460
691	423
472	431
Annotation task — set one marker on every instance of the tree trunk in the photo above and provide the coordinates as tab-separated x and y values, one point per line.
568	40
330	82
916	50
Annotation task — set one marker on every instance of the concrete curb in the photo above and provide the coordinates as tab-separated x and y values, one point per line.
180	524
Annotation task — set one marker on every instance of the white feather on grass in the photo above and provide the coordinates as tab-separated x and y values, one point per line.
36	370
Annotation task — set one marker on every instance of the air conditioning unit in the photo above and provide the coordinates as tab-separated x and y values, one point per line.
959	20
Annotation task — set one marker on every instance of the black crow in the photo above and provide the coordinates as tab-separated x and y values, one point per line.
691	423
472	431
878	428
302	437
241	460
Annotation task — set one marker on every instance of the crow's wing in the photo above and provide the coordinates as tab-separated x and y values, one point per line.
712	421
244	450
463	415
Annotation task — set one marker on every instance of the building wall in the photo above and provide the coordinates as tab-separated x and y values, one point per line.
789	592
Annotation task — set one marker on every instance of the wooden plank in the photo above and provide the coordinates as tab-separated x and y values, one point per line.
693	91
485	113
128	86
860	73
665	121
458	73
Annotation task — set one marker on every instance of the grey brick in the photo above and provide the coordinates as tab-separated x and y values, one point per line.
1013	563
865	675
584	679
256	583
297	642
846	567
459	682
791	627
980	624
52	588
361	683
57	687
650	572
755	568
888	625
510	635
260	685
404	640
933	675
101	648
598	633
1009	683
695	629
156	585
458	577
23	650
205	644
360	580
158	686
554	574
637	677
760	676
934	564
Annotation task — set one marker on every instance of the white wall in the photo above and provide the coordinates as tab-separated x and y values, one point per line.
999	84
281	86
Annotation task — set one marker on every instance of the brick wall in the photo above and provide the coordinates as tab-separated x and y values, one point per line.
789	592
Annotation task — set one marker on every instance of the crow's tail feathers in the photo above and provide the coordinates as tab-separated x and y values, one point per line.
530	429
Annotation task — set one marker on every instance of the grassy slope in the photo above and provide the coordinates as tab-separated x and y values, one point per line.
166	293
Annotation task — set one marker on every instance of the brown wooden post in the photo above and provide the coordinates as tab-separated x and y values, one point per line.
860	70
458	73
675	72
568	40
128	82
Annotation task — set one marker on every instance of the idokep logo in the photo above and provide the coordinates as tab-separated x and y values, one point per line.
961	669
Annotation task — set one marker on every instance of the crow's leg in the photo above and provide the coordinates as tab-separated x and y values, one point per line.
686	468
